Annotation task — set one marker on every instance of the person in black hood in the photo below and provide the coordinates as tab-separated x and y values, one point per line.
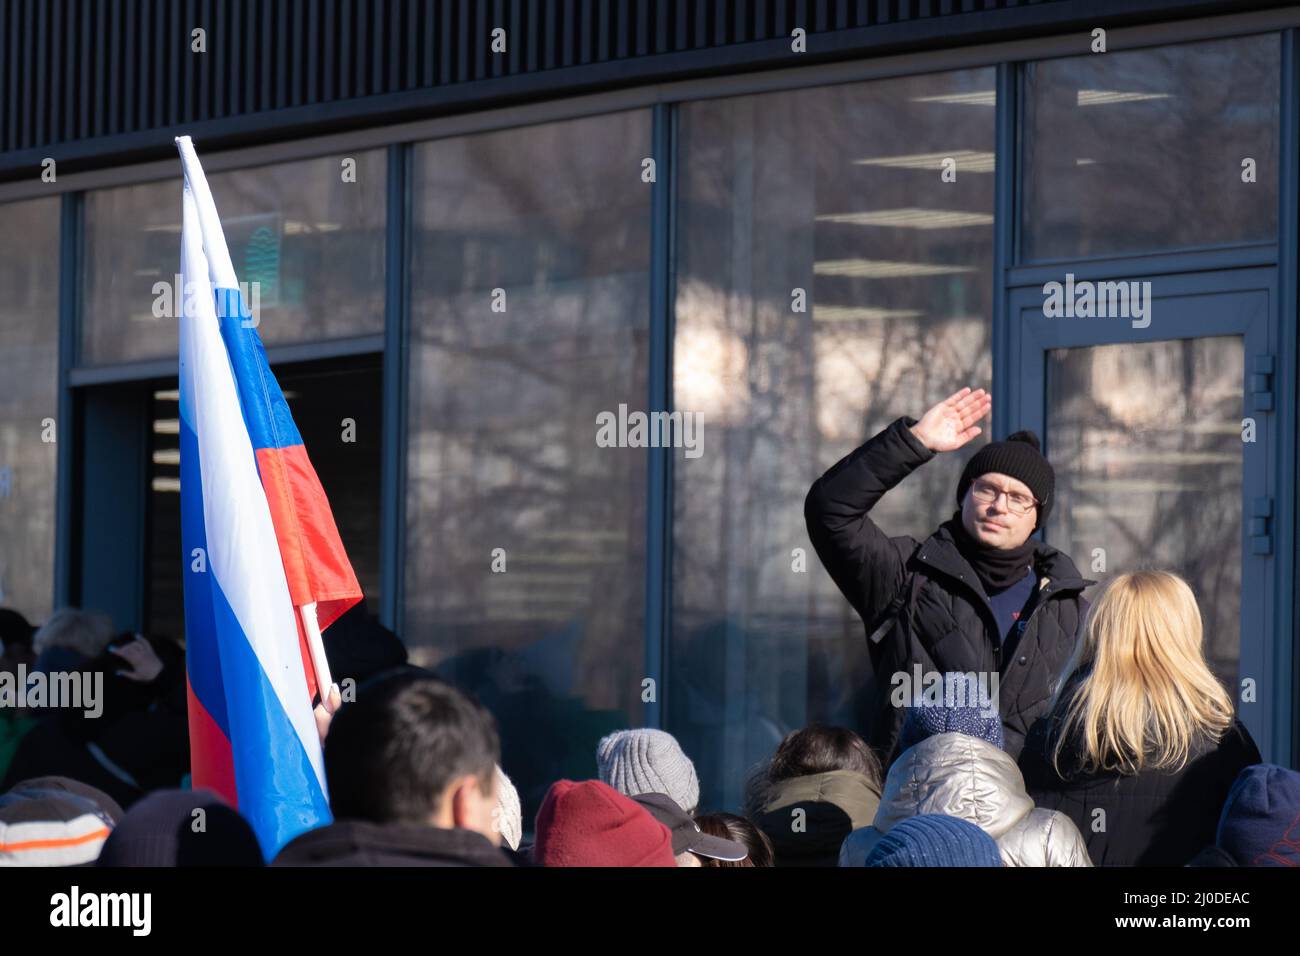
979	595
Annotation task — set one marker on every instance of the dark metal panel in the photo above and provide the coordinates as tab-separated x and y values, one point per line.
219	43
464	58
587	30
130	65
516	36
377	47
329	67
478	38
119	67
9	95
162	55
78	48
567	53
603	27
533	28
298	44
279	56
155	22
412	30
429	47
264	58
444	45
343	66
26	76
189	61
178	42
40	133
763	16
494	17
231	78
112	67
313	32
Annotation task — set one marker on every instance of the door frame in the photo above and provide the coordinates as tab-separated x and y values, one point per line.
1266	600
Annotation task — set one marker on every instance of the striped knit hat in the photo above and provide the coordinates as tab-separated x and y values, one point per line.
933	839
54	821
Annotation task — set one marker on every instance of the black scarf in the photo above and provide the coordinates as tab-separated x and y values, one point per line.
996	568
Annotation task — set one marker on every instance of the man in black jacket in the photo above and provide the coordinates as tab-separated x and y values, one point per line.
411	768
977	596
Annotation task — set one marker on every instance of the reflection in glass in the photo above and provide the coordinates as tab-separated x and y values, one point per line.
1144	149
525	542
1146	441
311	240
29	394
837	194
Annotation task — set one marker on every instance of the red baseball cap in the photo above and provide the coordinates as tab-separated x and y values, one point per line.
592	824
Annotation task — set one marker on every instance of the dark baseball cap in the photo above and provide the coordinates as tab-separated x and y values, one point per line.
686	834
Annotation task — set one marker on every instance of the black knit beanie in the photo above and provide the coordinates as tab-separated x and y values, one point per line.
1019	457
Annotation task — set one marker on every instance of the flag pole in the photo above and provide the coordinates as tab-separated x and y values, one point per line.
316	645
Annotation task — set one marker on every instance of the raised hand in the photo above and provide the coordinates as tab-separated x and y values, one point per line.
951	424
142	663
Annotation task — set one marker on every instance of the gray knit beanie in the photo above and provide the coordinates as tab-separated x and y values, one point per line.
634	762
508	816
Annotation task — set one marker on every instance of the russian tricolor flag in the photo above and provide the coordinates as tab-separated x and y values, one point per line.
265	568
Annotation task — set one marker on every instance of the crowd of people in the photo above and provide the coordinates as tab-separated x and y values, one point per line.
1108	740
414	775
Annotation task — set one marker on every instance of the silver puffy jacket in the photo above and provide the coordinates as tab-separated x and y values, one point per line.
966	777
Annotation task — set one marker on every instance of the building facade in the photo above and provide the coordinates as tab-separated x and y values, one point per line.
475	228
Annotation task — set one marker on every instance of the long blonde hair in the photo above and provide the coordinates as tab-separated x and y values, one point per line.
1137	690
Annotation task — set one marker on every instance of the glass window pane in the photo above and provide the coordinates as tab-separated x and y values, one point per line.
29	394
525	547
312	242
1141	150
838	194
1146	440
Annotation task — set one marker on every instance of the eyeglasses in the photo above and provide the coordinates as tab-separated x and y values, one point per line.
987	494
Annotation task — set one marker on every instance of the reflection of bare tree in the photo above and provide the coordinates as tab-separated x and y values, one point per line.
758	648
1147	446
504	403
1162	168
328	266
29	337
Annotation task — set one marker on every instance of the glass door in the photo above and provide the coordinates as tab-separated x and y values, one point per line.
1155	400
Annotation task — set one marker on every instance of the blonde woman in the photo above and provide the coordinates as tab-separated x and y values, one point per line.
1140	745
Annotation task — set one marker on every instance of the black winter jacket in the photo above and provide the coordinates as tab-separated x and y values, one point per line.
358	843
923	604
1153	818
